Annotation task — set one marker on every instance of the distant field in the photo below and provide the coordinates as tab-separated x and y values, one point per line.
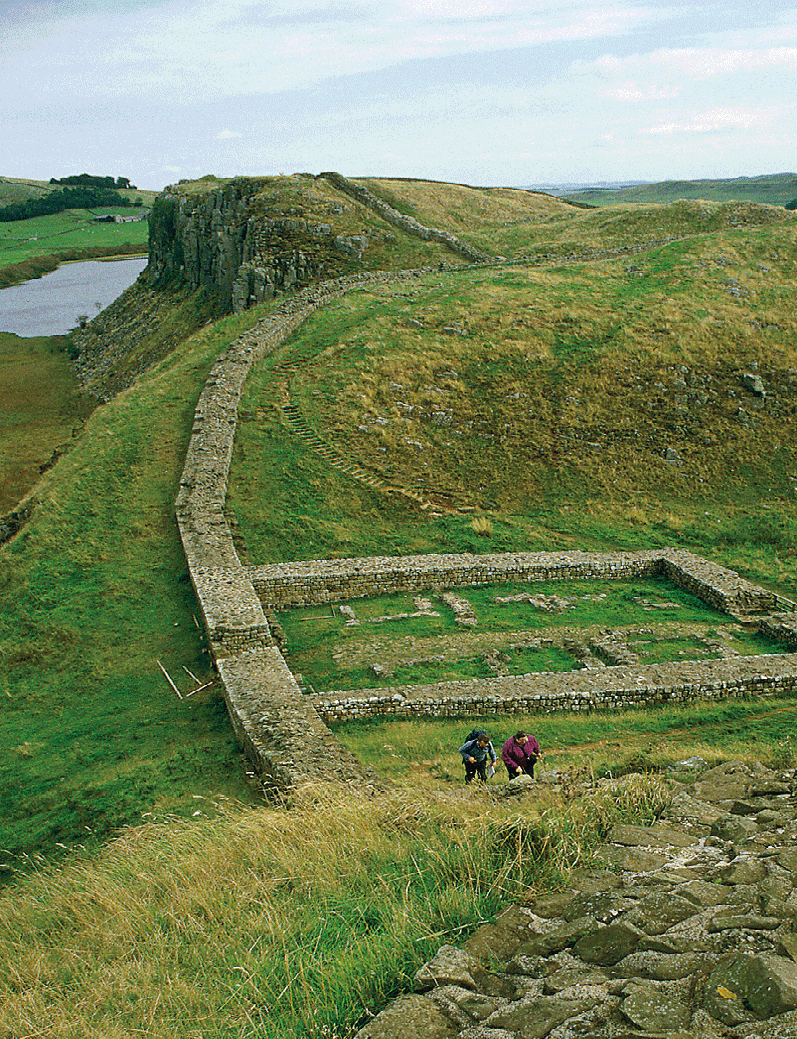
775	190
31	248
20	189
73	229
17	189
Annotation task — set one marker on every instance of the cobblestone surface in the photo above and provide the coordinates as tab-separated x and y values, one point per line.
682	930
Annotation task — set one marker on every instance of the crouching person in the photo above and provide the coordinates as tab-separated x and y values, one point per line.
479	756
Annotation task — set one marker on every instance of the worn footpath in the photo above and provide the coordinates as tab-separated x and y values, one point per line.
687	929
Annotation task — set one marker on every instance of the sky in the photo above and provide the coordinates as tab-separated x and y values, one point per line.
484	92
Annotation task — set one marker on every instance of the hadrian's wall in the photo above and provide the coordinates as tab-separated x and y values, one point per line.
611	688
277	727
282	731
406	223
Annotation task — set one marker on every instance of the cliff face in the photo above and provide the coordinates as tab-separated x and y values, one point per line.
247	240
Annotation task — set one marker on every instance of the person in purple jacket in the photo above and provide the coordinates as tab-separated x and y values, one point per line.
519	754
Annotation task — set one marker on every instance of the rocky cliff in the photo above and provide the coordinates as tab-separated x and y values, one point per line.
249	240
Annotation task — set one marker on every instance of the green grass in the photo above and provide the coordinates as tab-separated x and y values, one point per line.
322	646
43	409
94	592
288	925
551	415
423	752
30	248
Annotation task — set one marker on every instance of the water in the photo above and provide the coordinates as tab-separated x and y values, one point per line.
50	306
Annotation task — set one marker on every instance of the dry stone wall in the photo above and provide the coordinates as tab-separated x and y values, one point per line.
282	731
608	688
406	223
279	730
307	583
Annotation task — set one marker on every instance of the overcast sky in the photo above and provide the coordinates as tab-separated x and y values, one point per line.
482	91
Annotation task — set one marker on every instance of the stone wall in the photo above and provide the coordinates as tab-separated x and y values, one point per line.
406	223
306	583
609	688
281	730
278	729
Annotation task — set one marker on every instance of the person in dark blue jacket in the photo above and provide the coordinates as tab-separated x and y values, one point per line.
478	755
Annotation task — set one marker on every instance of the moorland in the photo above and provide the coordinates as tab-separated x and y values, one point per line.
592	387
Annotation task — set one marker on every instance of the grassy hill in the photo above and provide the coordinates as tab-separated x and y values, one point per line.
31	248
18	189
589	393
773	189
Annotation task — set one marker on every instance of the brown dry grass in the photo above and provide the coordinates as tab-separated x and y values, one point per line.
537	386
457	206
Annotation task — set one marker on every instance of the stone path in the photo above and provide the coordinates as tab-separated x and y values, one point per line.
685	930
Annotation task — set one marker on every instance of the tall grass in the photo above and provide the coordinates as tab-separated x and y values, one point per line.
274	923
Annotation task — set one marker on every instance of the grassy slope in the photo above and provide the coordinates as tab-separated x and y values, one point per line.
93	593
774	189
553	409
43	409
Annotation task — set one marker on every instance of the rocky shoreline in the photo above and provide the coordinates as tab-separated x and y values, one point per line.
686	929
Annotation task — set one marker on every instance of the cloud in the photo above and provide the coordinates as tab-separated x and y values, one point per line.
722	119
227	135
239	47
630	90
693	63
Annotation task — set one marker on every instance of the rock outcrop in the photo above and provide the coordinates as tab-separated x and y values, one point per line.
686	929
244	247
248	240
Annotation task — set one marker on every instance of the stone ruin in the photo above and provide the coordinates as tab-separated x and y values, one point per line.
283	732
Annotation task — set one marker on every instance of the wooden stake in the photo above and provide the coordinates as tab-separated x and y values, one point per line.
200	688
168	679
191	673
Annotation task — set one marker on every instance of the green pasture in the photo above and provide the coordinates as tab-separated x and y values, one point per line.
30	248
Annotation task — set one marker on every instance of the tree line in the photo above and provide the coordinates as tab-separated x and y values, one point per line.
86	180
65	198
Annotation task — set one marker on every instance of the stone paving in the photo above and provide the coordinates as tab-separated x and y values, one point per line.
681	930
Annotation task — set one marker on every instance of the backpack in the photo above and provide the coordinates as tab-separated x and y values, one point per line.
474	735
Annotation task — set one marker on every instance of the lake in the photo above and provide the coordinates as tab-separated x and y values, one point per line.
50	306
